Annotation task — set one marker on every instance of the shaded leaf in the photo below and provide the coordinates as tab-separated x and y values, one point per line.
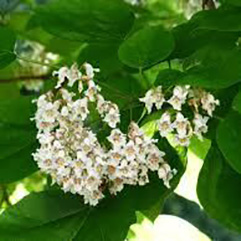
168	77
7	43
6	58
146	47
229	139
17	140
92	21
50	216
221	19
218	190
218	74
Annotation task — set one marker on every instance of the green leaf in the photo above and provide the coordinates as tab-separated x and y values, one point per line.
237	102
221	19
49	216
199	148
7	40
17	143
233	2
7	43
16	111
229	139
220	72
109	221
189	38
168	77
146	47
218	190
104	56
92	21
39	209
17	140
6	58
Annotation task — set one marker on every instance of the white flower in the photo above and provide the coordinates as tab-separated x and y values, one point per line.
181	124
66	95
182	139
112	118
45	138
165	124
209	103
148	100
166	174
179	97
130	151
50	112
200	125
62	74
154	159
116	186
90	71
136	134
80	107
92	91
158	97
73	75
117	138
153	96
64	111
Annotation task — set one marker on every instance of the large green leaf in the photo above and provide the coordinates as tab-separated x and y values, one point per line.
7	42
17	143
67	218
92	21
17	139
219	190
221	70
221	19
39	209
50	216
16	111
189	38
229	139
146	47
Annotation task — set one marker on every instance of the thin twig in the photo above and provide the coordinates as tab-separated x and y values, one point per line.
25	78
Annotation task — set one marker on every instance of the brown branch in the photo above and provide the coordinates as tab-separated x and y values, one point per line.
25	78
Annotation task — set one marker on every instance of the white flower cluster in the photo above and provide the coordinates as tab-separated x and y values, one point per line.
71	152
173	120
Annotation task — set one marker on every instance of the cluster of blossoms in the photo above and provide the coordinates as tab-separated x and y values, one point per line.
70	151
202	104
